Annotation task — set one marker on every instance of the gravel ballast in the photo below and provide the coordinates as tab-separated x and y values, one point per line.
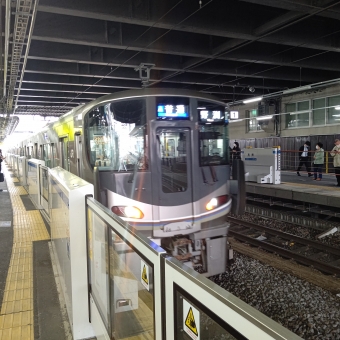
305	309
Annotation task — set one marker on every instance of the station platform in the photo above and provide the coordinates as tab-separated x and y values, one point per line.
300	188
30	306
137	291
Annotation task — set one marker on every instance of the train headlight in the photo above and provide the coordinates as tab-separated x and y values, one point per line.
128	211
216	202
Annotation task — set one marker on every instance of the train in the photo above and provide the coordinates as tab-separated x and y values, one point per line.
158	158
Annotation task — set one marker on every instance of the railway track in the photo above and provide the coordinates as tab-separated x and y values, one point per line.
322	257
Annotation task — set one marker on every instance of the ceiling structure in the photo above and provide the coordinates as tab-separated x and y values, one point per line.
56	55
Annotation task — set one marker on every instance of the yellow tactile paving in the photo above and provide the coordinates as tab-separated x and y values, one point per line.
16	317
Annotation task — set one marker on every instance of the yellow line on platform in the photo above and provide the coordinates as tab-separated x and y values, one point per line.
16	317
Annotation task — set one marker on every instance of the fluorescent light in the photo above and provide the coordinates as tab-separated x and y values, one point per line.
335	115
297	112
297	89
257	99
264	117
337	108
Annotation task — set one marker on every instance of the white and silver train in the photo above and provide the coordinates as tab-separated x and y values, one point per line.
159	159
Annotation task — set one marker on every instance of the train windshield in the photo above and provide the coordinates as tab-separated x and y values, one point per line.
214	145
213	134
117	136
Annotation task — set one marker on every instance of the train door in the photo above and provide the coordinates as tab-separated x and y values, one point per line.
175	191
40	152
79	150
35	154
63	148
75	155
30	153
47	155
72	157
53	155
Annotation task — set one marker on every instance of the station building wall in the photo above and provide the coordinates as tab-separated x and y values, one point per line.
307	113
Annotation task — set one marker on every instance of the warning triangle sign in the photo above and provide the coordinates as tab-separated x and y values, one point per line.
190	322
145	275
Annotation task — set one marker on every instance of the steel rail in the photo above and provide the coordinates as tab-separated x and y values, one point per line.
321	266
284	216
313	244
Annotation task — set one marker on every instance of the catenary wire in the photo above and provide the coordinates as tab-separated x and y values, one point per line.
144	48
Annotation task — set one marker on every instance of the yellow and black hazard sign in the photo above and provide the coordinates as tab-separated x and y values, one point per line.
191	320
145	275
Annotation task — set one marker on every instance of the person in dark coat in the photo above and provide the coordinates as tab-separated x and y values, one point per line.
1	158
304	158
236	151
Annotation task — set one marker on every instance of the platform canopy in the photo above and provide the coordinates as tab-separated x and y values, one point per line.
56	55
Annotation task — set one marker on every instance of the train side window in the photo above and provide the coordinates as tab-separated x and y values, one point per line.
116	135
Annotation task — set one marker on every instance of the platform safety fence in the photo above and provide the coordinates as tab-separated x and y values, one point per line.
290	160
134	289
137	291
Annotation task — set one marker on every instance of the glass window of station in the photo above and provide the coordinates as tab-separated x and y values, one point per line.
116	136
326	110
317	112
297	114
252	122
213	134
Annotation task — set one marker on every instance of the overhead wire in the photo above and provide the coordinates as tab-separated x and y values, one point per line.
279	66
124	50
144	48
206	60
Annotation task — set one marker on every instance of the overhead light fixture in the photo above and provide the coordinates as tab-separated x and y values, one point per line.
337	108
335	115
257	99
264	117
297	89
297	112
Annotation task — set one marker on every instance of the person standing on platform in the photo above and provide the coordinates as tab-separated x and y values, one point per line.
319	159
336	160
236	151
1	158
305	158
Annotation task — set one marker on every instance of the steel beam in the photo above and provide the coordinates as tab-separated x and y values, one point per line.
198	29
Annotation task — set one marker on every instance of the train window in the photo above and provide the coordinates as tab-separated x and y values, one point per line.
214	144
173	146
116	135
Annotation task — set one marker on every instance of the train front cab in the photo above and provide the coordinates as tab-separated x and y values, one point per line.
162	163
